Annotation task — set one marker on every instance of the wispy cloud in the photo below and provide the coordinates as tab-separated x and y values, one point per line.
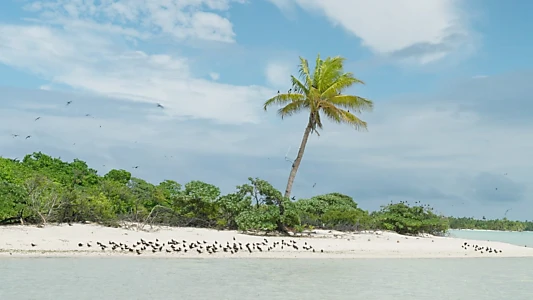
178	19
278	73
102	62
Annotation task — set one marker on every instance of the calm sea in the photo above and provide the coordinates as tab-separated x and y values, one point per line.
258	279
524	238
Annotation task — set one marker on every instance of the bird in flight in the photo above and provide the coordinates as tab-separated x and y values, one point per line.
314	184
29	136
160	106
68	102
136	167
14	135
88	115
37	118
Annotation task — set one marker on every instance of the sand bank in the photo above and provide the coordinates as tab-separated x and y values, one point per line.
64	240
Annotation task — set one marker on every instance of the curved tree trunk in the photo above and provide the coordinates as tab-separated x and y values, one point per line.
298	160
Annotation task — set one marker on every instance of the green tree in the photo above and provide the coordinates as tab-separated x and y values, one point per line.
406	219
270	209
121	176
320	93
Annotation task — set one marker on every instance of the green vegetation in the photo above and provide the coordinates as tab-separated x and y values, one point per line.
41	189
320	92
498	224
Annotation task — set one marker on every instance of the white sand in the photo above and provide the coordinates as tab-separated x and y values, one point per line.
53	240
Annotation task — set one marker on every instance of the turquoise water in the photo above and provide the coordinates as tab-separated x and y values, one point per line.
524	238
261	279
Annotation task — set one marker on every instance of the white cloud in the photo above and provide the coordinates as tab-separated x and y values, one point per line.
179	19
278	74
421	29
89	58
214	76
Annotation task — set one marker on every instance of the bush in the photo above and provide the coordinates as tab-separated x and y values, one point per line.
405	219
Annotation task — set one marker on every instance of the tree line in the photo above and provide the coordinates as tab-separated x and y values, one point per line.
40	189
484	224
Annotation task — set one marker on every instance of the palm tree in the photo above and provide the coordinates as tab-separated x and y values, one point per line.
320	92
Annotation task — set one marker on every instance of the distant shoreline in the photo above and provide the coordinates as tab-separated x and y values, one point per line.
64	241
489	230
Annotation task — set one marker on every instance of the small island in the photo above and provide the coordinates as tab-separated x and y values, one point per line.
55	208
74	210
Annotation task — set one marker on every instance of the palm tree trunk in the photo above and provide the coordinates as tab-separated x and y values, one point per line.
298	160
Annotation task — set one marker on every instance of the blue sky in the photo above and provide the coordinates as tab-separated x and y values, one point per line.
450	80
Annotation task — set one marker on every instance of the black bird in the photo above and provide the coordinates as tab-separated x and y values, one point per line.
160	106
29	136
136	167
68	103
314	184
14	135
293	198
37	118
33	245
87	115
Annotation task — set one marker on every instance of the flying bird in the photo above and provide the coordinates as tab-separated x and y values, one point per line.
160	106
68	102
314	184
29	136
37	118
88	115
14	135
136	167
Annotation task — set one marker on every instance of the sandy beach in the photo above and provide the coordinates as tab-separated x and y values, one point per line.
68	241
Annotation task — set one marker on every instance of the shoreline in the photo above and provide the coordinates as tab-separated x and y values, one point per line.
90	240
489	230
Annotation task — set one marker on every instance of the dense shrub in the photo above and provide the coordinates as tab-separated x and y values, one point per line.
406	219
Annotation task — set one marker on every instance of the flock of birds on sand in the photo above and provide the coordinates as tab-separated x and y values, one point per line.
201	247
481	249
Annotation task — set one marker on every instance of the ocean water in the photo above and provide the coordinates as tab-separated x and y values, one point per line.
258	279
524	238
